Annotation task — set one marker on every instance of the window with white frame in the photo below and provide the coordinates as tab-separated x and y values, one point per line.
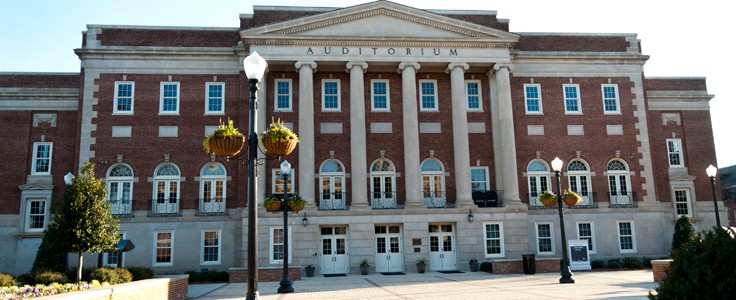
164	249
537	173
166	181
494	239
331	95
215	103
682	203
610	99
472	91
110	258
41	158
578	176
533	99
428	95
332	177
277	182
212	188
211	247
383	181
36	214
124	95
120	189
618	178
276	245
674	152
479	179
571	92
545	245
282	95
380	98
433	179
169	104
587	232
626	236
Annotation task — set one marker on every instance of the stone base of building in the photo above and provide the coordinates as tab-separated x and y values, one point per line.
239	275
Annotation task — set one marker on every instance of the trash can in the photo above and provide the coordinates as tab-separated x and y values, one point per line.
529	263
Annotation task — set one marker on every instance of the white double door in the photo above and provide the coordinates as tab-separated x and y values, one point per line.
334	255
442	254
389	249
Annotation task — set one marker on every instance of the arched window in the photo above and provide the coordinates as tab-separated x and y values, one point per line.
578	176
332	177
120	189
619	183
212	188
538	178
383	181
433	183
166	189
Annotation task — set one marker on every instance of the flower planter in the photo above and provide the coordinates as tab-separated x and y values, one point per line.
571	200
227	146
296	206
273	206
421	268
278	148
548	202
309	270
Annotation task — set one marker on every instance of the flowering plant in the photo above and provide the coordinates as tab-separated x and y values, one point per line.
278	132
224	131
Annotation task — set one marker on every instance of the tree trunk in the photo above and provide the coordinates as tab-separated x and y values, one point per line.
79	267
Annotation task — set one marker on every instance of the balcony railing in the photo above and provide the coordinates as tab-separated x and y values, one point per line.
212	206
165	207
121	207
487	198
332	201
434	199
587	201
622	199
383	200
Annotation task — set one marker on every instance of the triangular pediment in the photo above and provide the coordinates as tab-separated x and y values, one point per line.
380	20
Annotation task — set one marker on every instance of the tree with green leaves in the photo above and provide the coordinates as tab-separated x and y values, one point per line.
53	251
84	218
684	233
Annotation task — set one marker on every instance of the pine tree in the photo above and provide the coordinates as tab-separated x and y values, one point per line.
684	233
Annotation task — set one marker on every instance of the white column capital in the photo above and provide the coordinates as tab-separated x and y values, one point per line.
454	65
352	64
405	65
310	64
497	67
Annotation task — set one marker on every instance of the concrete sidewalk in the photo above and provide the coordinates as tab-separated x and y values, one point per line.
434	285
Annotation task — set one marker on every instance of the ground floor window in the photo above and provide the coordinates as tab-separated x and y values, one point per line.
626	236
276	244
494	239
544	239
210	247
164	250
585	232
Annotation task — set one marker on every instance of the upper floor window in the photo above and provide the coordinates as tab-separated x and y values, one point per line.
41	159
277	183
166	189
383	181
212	188
533	99
120	188
674	152
169	104
572	98
472	91
538	177
215	103
428	95
331	95
282	95
433	183
124	95
380	100
479	179
332	176
578	175
618	180
610	99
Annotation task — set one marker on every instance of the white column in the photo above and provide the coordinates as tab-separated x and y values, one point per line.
461	145
358	156
305	167
260	122
498	169
507	141
411	134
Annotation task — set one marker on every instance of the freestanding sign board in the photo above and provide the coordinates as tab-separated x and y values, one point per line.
578	254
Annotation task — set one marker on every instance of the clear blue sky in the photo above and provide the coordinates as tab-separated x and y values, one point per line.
682	38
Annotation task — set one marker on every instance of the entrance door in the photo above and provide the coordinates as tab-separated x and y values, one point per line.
389	252
334	256
442	247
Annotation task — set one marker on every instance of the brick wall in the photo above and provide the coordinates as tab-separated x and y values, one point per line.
238	275
517	266
675	84
660	268
168	38
572	43
30	80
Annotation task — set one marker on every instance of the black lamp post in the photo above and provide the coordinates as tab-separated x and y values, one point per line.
711	170
285	284
254	66
565	272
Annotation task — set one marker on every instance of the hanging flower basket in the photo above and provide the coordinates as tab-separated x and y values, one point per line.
548	199
272	204
296	203
571	198
227	146
278	148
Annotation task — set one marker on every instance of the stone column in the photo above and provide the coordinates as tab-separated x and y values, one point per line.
305	167
461	145
358	156
412	176
261	125
507	141
498	169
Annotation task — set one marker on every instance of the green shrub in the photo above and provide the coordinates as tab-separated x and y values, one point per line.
105	275
46	277
632	263
614	263
123	275
684	233
597	264
72	274
140	273
646	262
7	280
486	266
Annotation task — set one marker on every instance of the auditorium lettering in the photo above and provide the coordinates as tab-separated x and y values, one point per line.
382	51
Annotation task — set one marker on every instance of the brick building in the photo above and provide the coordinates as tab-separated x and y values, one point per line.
411	121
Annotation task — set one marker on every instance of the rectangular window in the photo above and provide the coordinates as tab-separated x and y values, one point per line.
533	99
674	152
211	247
282	95
124	94
331	95
544	239
164	251
276	244
682	203
479	179
169	104
494	239
626	236
585	232
41	159
610	99
380	100
277	183
215	103
110	258
36	215
428	95
572	98
472	91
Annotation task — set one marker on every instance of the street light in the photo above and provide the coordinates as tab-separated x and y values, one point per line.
565	268
254	66
711	171
285	284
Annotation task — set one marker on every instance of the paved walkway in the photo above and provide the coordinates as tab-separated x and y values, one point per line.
433	285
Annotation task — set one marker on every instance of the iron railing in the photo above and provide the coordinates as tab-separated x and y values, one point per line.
121	207
332	201
488	198
383	200
165	207
622	199
434	199
212	206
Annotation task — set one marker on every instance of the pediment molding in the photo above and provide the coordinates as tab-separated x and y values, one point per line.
682	177
35	186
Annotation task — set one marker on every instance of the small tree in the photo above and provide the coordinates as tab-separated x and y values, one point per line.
52	253
684	233
84	218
